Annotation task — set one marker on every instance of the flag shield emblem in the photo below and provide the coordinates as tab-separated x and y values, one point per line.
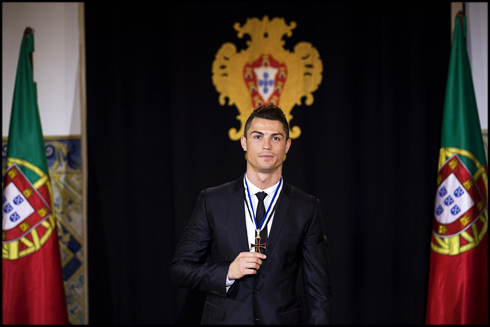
23	208
265	79
459	202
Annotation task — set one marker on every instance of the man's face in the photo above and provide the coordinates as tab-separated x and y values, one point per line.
266	145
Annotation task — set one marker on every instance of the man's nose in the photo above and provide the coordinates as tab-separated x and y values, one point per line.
266	144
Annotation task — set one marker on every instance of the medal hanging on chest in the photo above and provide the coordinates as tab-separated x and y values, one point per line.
258	246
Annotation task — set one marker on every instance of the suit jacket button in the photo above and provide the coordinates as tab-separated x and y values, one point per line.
250	318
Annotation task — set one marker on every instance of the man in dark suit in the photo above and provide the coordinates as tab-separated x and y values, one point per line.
220	251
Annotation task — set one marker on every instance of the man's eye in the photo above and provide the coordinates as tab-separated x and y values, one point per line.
257	136
276	138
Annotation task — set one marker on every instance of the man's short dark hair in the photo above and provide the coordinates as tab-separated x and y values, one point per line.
269	112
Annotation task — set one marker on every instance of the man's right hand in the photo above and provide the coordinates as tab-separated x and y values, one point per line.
246	263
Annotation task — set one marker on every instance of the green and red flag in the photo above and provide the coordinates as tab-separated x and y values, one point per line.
458	279
32	280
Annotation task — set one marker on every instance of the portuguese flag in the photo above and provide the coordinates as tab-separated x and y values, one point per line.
458	279
32	281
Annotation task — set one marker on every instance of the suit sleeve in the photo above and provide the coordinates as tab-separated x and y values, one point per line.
316	275
189	268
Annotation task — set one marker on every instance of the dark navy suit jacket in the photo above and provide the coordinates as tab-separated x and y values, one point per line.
217	233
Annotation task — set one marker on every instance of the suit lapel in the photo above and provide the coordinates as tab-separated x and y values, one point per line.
237	198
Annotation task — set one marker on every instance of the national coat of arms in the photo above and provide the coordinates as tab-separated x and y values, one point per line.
23	208
460	213
27	219
265	72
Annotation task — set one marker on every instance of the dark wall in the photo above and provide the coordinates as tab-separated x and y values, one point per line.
368	149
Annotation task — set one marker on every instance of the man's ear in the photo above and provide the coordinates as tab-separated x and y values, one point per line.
288	145
243	142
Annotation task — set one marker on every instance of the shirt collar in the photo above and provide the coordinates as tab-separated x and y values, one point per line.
254	189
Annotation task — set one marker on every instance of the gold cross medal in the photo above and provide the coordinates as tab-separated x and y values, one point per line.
257	244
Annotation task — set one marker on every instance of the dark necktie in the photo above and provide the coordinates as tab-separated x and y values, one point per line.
260	216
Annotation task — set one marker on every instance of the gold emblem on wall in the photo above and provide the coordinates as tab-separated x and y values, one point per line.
265	72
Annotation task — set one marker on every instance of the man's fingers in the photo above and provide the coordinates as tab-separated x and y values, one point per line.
250	260
253	254
246	263
251	257
252	265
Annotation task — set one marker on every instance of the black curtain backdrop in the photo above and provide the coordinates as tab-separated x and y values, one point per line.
368	150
